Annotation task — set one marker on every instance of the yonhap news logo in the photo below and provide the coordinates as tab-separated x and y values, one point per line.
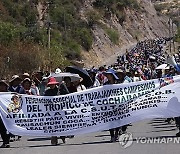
126	140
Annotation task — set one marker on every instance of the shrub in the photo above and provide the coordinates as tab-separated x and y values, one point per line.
177	36
84	37
26	43
113	35
34	34
158	7
72	50
92	17
24	56
8	32
20	11
118	3
116	7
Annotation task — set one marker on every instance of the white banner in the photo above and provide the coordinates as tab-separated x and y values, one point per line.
91	110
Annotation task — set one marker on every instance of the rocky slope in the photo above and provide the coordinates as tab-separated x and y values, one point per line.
138	25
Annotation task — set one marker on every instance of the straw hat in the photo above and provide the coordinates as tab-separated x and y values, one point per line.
27	79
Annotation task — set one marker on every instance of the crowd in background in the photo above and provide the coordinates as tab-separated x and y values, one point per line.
135	65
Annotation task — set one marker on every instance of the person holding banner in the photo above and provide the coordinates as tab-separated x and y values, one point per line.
79	85
95	80
128	76
15	84
112	79
53	90
70	85
121	75
5	137
27	87
37	78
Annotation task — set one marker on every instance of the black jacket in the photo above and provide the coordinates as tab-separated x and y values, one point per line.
51	92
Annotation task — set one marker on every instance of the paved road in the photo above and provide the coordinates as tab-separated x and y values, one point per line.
98	143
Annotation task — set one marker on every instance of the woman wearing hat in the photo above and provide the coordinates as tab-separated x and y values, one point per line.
38	82
53	88
14	84
25	75
96	82
112	79
53	91
79	86
111	76
5	137
26	87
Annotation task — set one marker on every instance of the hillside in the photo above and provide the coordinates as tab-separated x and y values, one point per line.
42	34
170	8
138	24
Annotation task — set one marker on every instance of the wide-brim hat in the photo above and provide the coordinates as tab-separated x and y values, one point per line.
27	79
15	77
52	81
111	71
119	71
26	74
3	82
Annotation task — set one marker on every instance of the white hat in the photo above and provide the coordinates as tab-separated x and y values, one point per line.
58	70
15	77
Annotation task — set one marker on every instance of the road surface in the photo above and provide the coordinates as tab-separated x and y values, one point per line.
98	143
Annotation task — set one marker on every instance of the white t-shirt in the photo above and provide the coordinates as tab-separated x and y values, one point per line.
81	88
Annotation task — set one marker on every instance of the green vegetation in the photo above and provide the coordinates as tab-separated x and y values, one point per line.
64	13
171	10
159	7
177	36
116	7
8	33
17	11
118	3
93	18
24	43
113	35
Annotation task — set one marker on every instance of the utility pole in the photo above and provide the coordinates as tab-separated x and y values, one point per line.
64	16
174	50
48	26
49	43
49	34
171	35
169	22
